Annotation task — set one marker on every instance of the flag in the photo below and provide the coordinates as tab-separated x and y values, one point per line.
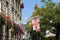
36	24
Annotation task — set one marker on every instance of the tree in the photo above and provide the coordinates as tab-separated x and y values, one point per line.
49	12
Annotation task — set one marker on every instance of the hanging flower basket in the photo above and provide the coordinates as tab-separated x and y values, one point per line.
21	30
9	24
8	17
22	5
8	21
16	29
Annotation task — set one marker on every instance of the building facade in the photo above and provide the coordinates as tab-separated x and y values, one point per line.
12	9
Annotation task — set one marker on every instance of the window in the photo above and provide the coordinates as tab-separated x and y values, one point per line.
7	10
18	7
16	3
0	5
15	11
6	3
13	2
12	9
20	17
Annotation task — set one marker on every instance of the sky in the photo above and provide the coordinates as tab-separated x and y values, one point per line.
29	8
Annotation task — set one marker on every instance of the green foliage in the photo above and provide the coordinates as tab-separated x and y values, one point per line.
28	27
51	12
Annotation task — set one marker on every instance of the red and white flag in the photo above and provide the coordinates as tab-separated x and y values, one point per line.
36	24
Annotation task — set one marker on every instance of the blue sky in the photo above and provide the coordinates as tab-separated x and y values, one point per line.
29	8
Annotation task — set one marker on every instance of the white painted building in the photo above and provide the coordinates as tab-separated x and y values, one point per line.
11	8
